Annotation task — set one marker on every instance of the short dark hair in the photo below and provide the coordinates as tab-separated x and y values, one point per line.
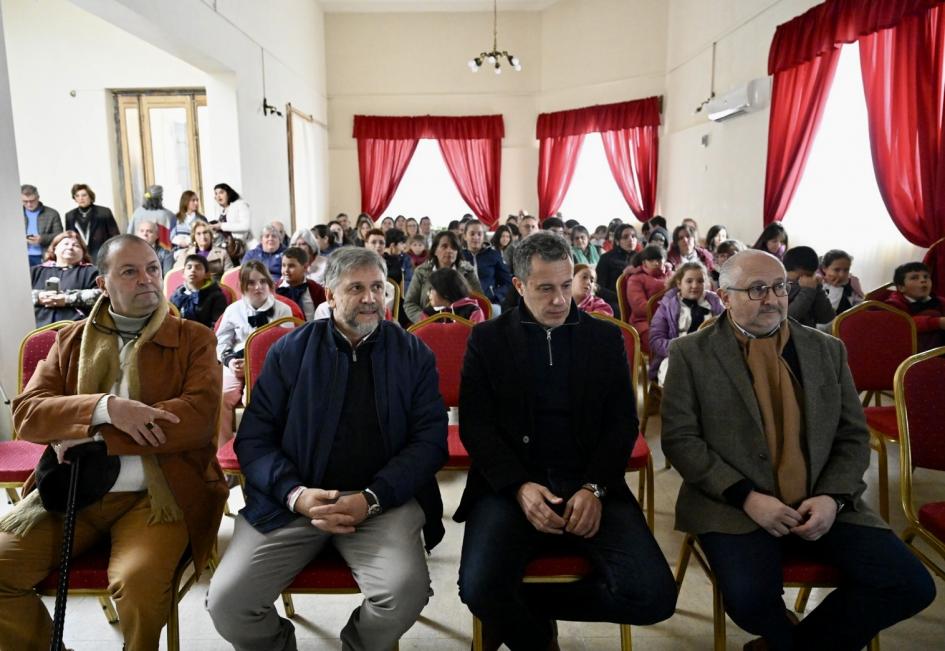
547	246
394	236
82	186
449	284
471	222
729	247
453	240
833	255
453	224
657	220
899	275
196	257
102	261
231	194
652	252
801	258
551	222
374	231
424	218
576	230
297	253
774	230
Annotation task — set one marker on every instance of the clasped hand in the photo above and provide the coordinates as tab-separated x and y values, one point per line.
581	515
811	520
331	511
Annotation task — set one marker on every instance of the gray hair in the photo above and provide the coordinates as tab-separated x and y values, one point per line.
269	228
348	258
29	190
731	271
309	238
103	262
546	245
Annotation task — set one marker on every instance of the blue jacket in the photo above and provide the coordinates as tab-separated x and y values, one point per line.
287	431
494	276
273	261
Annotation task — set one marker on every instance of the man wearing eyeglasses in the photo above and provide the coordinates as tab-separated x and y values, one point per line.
763	422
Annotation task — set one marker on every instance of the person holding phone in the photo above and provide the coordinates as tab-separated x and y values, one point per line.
64	286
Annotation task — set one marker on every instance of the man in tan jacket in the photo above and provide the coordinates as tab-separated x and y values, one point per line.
149	386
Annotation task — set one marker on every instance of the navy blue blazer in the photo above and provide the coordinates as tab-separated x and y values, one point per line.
287	431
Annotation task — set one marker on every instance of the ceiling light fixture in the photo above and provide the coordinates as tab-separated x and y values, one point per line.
494	58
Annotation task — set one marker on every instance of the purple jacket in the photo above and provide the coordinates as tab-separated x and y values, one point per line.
665	325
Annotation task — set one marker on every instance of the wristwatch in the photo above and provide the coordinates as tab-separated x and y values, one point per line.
373	506
598	491
841	503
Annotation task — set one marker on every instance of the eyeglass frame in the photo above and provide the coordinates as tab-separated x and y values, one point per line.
787	284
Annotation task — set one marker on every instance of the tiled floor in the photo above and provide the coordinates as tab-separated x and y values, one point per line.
446	624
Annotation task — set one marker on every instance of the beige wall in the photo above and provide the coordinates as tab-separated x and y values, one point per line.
575	53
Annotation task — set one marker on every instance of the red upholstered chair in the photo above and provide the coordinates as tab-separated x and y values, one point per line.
446	334
797	572
231	295
88	575
919	388
173	280
483	303
878	338
880	293
622	304
231	278
19	458
296	310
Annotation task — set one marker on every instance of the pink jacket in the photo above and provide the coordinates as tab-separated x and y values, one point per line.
640	287
592	303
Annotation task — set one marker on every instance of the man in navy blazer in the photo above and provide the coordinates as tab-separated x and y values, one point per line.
341	443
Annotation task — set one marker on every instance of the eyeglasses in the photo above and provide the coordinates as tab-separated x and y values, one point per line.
760	292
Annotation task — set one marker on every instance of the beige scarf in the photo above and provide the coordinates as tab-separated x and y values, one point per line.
99	369
776	391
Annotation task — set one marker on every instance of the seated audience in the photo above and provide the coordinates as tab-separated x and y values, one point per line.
773	239
257	307
446	255
494	277
363	225
201	243
685	249
582	249
808	303
187	215
599	236
716	235
269	250
306	240
548	472
64	286
502	242
449	292
614	262
150	233
681	311
762	420
417	250
399	266
647	279
42	224
411	228
583	288
555	225
659	236
200	298
694	227
400	223
153	210
724	251
914	296
843	289
386	224
234	219
339	237
426	229
296	285
95	224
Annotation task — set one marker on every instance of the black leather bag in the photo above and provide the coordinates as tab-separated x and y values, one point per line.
98	474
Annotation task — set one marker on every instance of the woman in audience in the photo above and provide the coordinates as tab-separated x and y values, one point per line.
685	249
400	223
386	224
187	215
647	279
269	250
365	223
94	224
64	286
417	250
446	252
612	264
694	227
599	236
843	289
200	298
412	227
201	238
502	242
339	236
256	308
716	235
317	263
325	240
681	311
449	292
773	239
494	276
582	250
582	291
723	252
153	210
235	217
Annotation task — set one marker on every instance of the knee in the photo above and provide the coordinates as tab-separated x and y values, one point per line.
915	592
227	600
404	594
479	589
750	604
646	603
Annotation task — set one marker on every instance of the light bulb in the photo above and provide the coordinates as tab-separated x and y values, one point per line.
475	68
472	65
514	61
498	69
491	59
518	67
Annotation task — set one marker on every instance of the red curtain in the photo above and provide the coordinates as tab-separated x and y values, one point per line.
472	151
904	81
631	141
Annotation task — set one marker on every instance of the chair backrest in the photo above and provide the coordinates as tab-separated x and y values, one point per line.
881	293
395	307
484	304
935	260
231	296
173	280
631	344
231	279
258	344
446	335
296	310
33	349
652	302
878	338
622	301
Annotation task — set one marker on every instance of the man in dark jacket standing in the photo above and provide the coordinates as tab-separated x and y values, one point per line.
341	442
548	469
42	223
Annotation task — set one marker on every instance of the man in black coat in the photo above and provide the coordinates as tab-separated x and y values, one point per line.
549	419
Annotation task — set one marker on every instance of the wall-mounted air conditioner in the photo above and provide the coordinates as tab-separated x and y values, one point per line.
747	98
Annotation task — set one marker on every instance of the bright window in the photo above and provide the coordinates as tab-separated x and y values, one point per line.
837	203
428	189
593	197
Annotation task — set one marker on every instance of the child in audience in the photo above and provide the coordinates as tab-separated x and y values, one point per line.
296	285
417	250
646	279
723	252
582	291
914	296
681	311
807	302
450	293
773	239
843	289
200	298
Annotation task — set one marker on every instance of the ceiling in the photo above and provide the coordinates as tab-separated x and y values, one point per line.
401	6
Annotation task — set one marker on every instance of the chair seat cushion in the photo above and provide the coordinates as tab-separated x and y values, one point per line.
805	570
86	572
932	517
327	572
550	565
18	459
883	420
226	456
458	457
641	452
